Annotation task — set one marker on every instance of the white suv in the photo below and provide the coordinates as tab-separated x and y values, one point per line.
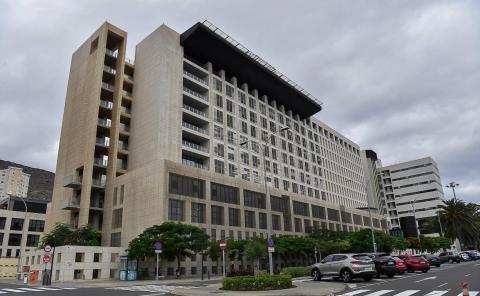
344	266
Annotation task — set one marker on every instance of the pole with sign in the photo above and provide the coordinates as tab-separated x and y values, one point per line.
158	251
223	246
271	249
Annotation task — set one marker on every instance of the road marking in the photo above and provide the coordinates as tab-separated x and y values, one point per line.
355	292
378	293
69	288
48	289
442	285
30	289
351	286
426	279
13	290
472	293
477	264
437	293
468	274
1	292
407	293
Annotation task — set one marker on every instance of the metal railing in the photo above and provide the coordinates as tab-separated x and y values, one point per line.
194	146
195	77
194	164
124	127
104	122
195	110
106	104
111	53
122	145
195	94
98	183
100	161
127	93
108	86
194	127
102	142
121	165
72	180
71	202
195	62
126	110
130	77
109	70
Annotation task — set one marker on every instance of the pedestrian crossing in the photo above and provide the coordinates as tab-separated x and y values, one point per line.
365	292
32	289
151	288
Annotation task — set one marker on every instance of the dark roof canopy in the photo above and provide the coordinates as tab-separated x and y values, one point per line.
206	45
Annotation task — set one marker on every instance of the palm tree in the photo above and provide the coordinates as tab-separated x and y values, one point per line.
461	220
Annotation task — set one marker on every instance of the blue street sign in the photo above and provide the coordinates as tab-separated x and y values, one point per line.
158	246
270	243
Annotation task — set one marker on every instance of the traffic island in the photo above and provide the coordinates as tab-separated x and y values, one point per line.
257	283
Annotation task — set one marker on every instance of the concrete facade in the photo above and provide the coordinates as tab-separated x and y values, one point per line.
126	146
13	182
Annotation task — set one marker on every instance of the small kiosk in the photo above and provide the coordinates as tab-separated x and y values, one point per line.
128	268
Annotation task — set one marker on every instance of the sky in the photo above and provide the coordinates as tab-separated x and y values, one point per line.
399	77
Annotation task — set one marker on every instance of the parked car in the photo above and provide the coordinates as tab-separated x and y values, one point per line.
449	257
464	256
384	264
344	266
474	254
400	265
413	263
432	260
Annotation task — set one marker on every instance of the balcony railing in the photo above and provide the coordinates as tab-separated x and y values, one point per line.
72	181
71	203
111	53
129	77
123	127
195	110
195	62
121	164
98	183
127	93
195	94
122	145
104	122
102	142
194	146
107	86
195	77
109	70
106	104
100	162
125	110
195	128
194	164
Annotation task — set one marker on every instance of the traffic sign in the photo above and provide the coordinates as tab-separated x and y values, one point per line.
223	244
47	248
46	259
158	251
271	243
271	249
158	246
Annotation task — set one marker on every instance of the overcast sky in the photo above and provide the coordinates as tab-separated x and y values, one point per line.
399	77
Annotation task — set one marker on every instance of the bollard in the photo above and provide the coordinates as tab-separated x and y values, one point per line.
25	278
465	291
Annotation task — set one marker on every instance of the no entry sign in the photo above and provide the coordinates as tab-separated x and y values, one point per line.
223	244
46	258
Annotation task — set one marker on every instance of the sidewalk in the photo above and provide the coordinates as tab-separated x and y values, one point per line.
303	288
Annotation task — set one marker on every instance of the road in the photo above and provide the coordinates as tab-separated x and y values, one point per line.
445	280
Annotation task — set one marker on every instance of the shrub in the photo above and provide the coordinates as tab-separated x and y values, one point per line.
241	272
257	283
296	271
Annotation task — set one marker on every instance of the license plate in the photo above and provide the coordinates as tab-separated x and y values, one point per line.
422	262
390	263
368	269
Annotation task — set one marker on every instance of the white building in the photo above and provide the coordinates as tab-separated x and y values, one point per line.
13	182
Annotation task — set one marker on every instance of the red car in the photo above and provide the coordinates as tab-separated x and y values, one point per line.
400	265
414	263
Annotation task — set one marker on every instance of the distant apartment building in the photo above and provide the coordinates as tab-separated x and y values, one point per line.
13	182
373	181
185	133
408	186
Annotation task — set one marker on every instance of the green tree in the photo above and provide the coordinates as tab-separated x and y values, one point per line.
214	252
177	240
236	249
461	220
63	234
86	236
256	249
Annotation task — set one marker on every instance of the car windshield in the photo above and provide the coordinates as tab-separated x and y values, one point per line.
361	257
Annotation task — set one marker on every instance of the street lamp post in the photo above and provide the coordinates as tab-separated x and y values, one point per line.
453	185
22	245
415	218
266	147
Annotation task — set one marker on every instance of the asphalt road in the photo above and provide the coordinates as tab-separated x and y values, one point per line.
445	280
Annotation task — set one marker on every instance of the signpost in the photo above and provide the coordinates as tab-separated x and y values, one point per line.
223	246
47	248
271	249
46	259
158	251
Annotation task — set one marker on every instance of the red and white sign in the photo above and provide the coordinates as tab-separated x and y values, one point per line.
46	258
223	244
47	248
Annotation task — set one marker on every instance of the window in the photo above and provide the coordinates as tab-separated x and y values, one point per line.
79	257
230	121
36	225
97	257
230	106
14	239
276	222
218	132
300	208
122	193
218	116
32	240
217	84
262	220
245	158
3	220
117	217
218	101
233	217
279	204
224	193
298	225
252	103
243	112
219	167
219	150
115	239
232	170
198	212
242	98
318	212
16	224
333	215
175	210
94	45
250	219
253	117
254	199
229	90
184	185
217	215
244	127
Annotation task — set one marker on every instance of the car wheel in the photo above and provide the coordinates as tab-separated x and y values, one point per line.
409	270
346	276
424	270
450	261
390	275
316	275
402	272
367	278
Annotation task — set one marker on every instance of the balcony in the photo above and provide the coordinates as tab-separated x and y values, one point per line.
195	94
105	122
195	77
194	146
109	70
72	181
124	128
72	203
96	203
111	53
127	94
194	128
108	87
121	166
195	110
195	164
106	104
103	142
100	162
128	77
125	110
98	183
195	62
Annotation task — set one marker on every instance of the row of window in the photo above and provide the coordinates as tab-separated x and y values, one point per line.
15	239
17	224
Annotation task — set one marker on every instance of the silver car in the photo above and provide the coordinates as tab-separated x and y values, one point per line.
344	266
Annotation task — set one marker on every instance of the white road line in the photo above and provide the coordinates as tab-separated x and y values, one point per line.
31	289
14	290
1	292
477	264
437	293
355	292
378	293
472	293
407	293
49	289
69	288
468	274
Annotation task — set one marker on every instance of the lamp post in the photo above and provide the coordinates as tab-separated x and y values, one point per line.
24	227
453	185
412	202
266	147
369	214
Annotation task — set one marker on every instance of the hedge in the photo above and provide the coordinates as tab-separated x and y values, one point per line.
257	283
296	271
